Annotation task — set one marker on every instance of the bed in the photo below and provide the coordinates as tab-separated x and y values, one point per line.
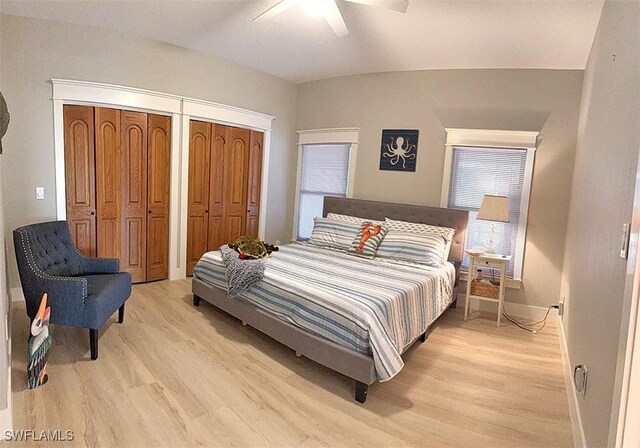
352	315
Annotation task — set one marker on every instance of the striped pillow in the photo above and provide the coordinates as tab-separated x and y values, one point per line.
368	239
423	248
333	234
350	218
414	227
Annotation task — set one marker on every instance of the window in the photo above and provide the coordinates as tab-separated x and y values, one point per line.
324	172
325	164
471	171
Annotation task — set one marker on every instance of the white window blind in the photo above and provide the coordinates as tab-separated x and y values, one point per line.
324	172
479	171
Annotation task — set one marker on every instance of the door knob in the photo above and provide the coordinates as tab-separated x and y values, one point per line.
92	213
149	211
206	211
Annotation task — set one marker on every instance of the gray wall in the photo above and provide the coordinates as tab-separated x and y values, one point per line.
601	201
539	100
34	51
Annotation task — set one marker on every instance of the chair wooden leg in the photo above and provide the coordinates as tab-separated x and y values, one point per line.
93	342
121	314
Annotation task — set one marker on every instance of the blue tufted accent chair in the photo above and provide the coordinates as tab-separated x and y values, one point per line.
82	292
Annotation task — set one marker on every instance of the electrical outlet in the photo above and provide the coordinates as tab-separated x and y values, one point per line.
39	193
561	307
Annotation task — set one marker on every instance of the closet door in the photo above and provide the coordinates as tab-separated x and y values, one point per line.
216	192
236	165
134	195
107	141
159	160
198	191
254	182
79	164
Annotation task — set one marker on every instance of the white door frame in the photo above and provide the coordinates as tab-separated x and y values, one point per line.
623	429
181	110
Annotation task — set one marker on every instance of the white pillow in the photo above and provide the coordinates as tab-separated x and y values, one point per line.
414	227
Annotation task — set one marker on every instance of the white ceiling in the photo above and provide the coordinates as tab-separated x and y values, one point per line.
433	34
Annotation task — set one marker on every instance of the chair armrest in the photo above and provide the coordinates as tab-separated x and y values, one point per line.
65	296
91	266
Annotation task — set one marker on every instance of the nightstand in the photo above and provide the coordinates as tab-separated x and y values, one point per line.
488	293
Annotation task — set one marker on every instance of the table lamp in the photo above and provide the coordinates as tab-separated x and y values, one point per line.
493	208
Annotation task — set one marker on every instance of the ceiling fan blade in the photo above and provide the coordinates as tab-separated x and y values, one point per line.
276	9
335	20
394	5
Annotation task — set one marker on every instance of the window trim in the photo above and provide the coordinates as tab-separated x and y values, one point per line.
485	138
334	136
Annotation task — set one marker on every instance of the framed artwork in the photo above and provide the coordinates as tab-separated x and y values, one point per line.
399	149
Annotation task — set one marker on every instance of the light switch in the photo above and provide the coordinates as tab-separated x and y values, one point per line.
39	193
624	243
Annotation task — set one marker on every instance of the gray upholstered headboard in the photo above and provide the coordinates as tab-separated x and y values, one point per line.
444	217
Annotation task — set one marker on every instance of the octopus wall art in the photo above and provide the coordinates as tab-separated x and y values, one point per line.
398	150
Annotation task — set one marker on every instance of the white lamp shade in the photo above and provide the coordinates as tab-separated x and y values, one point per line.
494	208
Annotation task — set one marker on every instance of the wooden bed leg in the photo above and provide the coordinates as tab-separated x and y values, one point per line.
196	300
361	391
454	304
424	336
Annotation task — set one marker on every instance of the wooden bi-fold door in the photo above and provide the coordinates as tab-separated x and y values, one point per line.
236	178
198	191
117	169
80	182
254	183
225	165
134	195
108	215
159	172
215	237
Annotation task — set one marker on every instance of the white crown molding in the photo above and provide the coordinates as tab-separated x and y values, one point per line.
84	92
221	113
334	135
492	138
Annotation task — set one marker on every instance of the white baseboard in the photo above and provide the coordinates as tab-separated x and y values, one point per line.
528	312
579	440
5	421
16	294
6	417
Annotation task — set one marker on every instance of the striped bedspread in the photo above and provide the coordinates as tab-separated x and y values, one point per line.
374	307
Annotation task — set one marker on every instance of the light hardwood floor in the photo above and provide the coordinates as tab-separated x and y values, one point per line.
175	375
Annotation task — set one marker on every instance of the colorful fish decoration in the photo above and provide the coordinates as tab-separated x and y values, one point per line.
39	345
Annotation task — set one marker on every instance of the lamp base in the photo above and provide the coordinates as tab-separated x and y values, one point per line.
489	249
490	246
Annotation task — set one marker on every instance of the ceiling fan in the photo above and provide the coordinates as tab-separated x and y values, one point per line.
329	10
